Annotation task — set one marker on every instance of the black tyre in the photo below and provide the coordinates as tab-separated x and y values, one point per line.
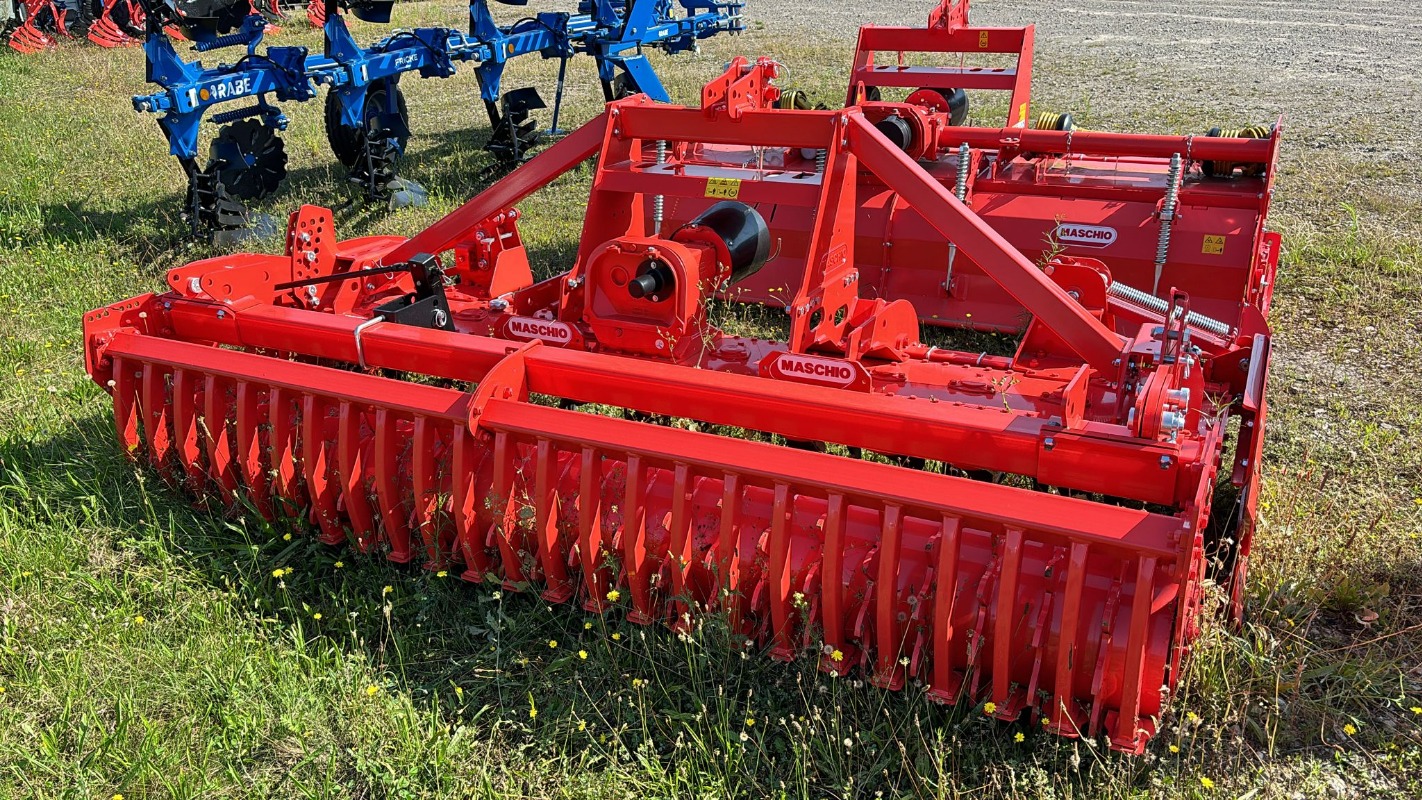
348	143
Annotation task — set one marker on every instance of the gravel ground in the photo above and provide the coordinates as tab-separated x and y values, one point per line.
1346	77
1368	54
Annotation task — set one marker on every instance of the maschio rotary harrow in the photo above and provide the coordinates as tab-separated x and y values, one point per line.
1034	529
367	121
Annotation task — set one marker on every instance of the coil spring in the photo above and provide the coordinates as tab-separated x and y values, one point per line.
1226	169
228	40
1167	216
659	201
1052	121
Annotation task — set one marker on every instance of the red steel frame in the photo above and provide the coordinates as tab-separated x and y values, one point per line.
948	33
1052	564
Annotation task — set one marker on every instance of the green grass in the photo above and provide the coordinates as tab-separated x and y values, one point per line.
156	650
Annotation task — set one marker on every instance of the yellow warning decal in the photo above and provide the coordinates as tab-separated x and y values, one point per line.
1214	246
983	40
1022	114
724	188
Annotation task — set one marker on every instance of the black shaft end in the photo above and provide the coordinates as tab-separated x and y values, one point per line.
654	278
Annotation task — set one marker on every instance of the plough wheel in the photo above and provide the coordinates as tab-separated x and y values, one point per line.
249	159
347	143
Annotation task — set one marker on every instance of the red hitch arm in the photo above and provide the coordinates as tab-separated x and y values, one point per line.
1084	334
541	170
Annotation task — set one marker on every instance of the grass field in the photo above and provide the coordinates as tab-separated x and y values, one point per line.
150	649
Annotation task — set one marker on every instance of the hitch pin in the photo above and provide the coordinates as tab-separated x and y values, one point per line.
360	348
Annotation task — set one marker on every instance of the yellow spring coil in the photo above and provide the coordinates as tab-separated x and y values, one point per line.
1226	169
1052	121
794	98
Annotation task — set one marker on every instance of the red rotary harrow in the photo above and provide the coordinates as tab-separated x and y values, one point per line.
1033	530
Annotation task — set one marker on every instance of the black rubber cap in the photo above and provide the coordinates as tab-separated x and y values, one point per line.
745	233
898	130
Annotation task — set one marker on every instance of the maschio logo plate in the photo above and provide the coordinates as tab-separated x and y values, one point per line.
815	370
546	330
1070	233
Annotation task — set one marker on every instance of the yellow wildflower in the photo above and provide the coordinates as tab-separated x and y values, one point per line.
277	573
613	595
1417	709
582	725
139	620
1175	748
372	690
553	644
1206	782
1019	738
989	707
1349	729
638	683
616	636
317	615
750	721
532	708
117	796
837	655
587	626
340	564
286	537
583	654
444	573
387	590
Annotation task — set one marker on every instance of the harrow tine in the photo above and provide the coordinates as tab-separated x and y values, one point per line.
29	40
156	420
351	467
465	508
216	416
832	589
1004	613
888	672
727	566
782	636
1098	675
104	32
1126	736
680	544
394	517
284	451
321	485
185	431
1064	719
596	577
250	449
946	682
546	524
426	485
503	530
125	409
634	543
